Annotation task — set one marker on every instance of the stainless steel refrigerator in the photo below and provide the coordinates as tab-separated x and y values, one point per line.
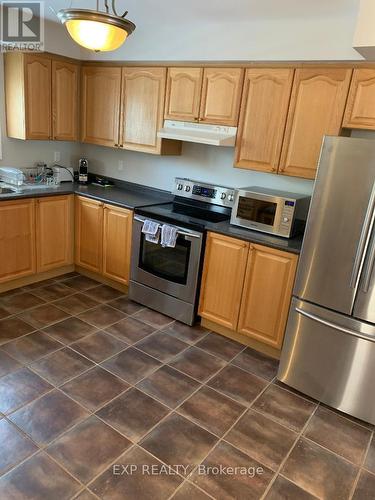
329	347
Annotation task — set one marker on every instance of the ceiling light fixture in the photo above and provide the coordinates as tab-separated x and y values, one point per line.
96	30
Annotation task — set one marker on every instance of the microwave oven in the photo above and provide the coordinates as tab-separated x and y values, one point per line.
270	211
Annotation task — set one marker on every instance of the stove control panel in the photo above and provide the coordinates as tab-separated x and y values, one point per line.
196	190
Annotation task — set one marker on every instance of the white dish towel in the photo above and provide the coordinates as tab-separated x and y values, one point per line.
151	230
168	236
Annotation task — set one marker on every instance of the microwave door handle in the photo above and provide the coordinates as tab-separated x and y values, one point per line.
369	268
363	241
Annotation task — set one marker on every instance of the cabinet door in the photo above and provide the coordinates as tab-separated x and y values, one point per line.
101	91
89	234
266	295
65	78
117	243
221	95
360	108
222	281
17	239
143	91
264	109
316	109
54	232
183	95
38	97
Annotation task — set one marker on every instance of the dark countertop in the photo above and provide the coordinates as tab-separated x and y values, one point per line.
292	245
132	196
127	195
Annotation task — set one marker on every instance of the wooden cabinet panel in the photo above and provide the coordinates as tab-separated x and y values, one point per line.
88	234
143	91
54	232
360	108
65	77
222	281
316	109
17	239
117	243
38	97
101	92
221	95
264	109
266	295
183	95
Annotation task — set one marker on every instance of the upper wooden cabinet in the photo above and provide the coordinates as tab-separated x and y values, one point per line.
221	95
88	233
264	109
143	93
316	109
17	239
222	281
183	95
210	95
101	94
41	97
54	232
117	236
65	85
267	294
360	108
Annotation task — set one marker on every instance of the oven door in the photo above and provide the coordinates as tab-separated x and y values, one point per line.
173	271
257	211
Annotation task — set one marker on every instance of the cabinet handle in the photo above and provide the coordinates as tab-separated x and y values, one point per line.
116	145
121	145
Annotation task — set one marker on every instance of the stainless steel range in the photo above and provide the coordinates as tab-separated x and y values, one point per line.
167	279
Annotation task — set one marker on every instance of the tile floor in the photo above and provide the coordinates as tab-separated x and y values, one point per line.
91	382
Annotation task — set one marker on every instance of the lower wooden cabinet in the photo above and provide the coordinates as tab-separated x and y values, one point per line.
17	239
247	288
117	243
222	281
266	294
103	238
54	232
89	234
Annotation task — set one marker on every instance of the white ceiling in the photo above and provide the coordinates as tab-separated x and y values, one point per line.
211	11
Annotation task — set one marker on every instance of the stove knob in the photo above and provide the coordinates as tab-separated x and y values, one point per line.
179	187
230	197
187	188
223	196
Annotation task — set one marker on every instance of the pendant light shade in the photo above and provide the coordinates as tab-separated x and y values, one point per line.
95	30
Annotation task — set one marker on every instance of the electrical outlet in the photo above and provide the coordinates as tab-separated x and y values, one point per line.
57	156
121	165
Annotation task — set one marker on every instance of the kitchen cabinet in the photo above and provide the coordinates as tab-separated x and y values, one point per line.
142	109
54	232
183	94
316	109
17	239
222	280
117	243
221	96
89	234
264	109
101	94
247	289
360	108
65	85
41	97
266	294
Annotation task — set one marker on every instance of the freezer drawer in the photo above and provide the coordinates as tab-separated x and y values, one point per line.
331	358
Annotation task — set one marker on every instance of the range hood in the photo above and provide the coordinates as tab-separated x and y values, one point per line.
215	135
364	37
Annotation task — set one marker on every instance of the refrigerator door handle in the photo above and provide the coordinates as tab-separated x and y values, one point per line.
363	241
369	268
334	326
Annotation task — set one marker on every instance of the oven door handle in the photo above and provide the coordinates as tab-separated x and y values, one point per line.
181	232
